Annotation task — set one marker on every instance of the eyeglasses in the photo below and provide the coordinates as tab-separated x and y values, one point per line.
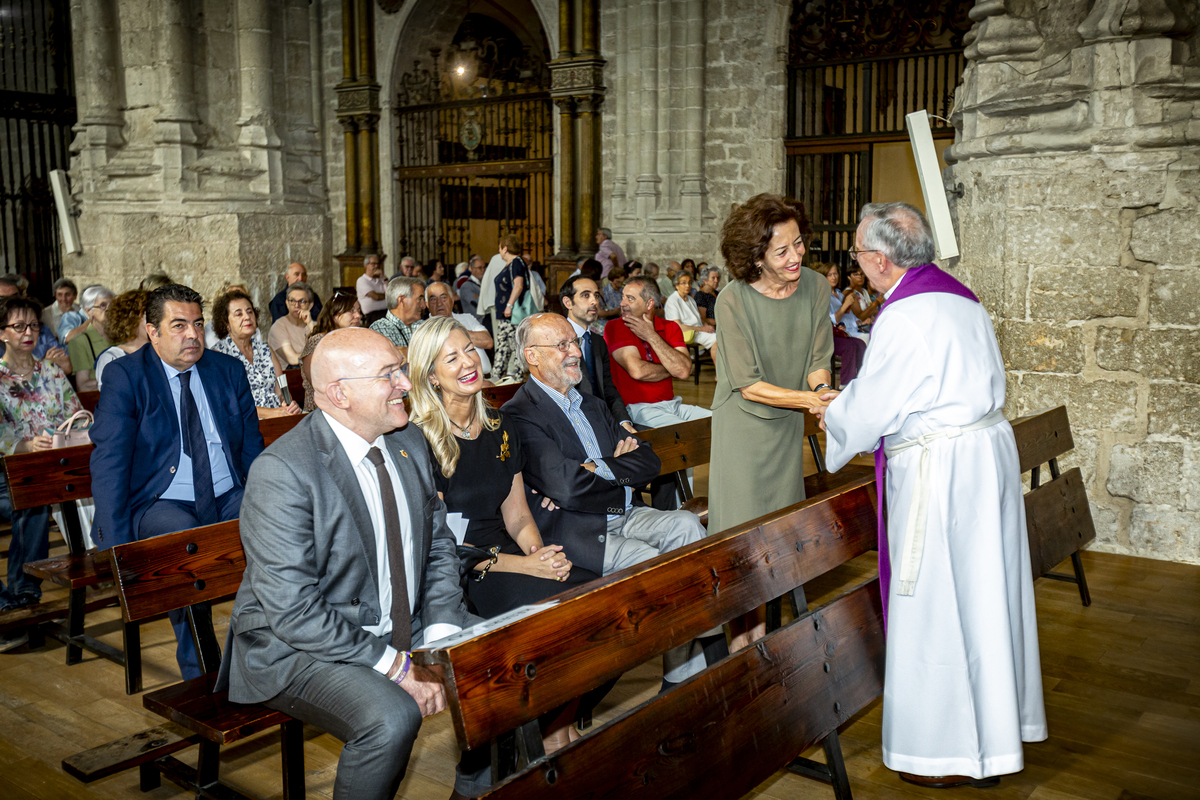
855	253
564	346
300	303
21	327
394	377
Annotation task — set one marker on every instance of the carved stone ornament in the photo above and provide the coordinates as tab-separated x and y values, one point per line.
390	6
577	77
836	30
357	100
1124	19
1001	35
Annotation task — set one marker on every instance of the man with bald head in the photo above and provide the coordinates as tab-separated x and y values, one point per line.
349	566
579	457
295	273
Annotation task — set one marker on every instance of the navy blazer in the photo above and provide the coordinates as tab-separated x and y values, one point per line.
136	435
607	390
553	455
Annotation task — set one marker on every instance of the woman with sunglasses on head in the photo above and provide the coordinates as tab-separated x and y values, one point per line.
342	311
35	397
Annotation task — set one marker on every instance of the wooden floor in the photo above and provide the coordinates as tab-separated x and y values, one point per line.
1122	692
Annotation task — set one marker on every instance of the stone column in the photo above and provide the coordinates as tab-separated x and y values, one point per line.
648	179
692	184
589	171
100	82
175	125
258	140
620	183
568	242
358	112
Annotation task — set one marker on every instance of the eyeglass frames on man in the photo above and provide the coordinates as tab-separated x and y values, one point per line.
394	377
564	346
855	253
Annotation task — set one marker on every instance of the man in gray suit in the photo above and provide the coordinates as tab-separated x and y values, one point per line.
349	564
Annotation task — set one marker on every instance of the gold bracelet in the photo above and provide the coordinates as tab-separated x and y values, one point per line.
495	551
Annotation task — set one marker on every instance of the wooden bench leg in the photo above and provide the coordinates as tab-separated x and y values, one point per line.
149	778
292	741
76	609
132	636
1081	579
833	771
529	744
208	766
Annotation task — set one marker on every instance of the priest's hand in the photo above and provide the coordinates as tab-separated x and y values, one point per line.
425	686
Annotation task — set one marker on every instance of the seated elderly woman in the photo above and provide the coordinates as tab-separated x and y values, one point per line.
35	397
681	308
235	321
289	332
125	324
210	333
87	340
479	476
342	311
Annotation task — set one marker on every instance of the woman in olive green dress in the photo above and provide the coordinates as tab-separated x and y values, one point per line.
774	346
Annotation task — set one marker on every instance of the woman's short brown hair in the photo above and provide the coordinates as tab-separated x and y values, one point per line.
512	242
220	310
124	316
748	231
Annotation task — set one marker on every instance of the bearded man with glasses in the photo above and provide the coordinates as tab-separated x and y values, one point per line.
579	457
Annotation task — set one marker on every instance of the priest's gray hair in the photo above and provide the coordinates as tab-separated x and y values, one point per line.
900	232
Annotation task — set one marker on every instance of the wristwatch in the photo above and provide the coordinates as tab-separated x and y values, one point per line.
821	386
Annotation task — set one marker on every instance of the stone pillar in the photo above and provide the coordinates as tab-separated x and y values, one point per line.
648	179
568	241
620	179
358	112
258	140
589	171
99	127
692	186
175	134
1079	225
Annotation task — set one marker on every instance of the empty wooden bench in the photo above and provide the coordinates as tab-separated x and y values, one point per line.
1057	514
188	570
64	476
723	731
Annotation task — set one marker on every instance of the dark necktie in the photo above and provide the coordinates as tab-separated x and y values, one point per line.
195	447
585	344
401	613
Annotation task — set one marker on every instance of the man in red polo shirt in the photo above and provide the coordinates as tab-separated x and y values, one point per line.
646	352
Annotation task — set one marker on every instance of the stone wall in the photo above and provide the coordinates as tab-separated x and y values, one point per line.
693	120
197	150
1080	231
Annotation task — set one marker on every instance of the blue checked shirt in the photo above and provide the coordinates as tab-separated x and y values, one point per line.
572	406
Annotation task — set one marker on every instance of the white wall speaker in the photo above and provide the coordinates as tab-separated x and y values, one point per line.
66	211
937	209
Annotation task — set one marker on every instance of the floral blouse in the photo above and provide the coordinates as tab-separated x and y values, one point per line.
29	407
261	373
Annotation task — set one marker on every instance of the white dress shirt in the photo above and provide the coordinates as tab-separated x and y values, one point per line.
356	449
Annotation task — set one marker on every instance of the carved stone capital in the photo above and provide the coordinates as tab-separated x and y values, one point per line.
589	103
566	105
357	99
999	34
577	76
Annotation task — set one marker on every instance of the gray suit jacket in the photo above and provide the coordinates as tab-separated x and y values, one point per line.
311	573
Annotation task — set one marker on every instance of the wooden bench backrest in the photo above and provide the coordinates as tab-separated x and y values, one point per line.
53	476
1042	436
687	444
175	570
497	396
517	671
728	729
49	476
295	382
88	400
1059	521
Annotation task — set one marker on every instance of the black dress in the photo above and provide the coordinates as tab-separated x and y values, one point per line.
477	490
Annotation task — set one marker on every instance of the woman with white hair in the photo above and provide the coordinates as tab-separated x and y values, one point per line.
681	309
89	339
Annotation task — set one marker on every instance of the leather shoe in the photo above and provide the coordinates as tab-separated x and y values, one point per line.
949	781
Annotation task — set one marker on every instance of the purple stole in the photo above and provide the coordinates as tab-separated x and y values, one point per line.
924	279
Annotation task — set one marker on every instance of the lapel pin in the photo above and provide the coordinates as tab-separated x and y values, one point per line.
403	453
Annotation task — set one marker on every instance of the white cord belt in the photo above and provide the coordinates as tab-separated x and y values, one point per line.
918	512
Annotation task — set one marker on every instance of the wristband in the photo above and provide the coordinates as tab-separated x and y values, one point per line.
821	386
405	666
495	551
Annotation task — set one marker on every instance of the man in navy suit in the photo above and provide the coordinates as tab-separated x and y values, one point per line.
175	433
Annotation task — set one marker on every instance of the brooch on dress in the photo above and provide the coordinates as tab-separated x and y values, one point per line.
504	452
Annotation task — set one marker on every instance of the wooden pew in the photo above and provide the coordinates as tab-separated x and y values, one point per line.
1057	514
88	400
497	396
792	689
64	476
188	570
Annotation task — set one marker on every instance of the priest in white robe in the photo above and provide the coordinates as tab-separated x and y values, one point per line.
963	686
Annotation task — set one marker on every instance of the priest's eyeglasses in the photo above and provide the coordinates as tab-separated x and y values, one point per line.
565	345
855	253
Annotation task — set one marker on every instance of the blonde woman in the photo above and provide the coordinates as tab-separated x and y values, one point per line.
479	478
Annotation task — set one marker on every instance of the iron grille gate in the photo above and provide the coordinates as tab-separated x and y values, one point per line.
37	111
471	171
837	111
